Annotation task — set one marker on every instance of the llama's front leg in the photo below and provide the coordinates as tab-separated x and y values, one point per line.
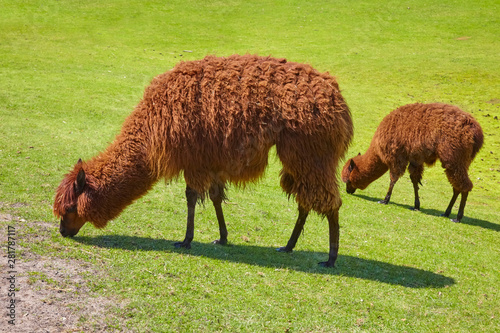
396	171
463	200
192	197
297	230
452	202
389	193
333	226
416	172
417	199
217	196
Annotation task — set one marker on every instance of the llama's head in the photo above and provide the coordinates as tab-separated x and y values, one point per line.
68	201
347	172
353	177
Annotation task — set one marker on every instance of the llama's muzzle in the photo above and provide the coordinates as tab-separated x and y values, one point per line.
349	188
65	232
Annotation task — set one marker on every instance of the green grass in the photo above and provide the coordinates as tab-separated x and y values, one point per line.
70	72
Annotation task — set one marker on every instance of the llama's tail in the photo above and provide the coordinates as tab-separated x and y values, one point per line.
478	138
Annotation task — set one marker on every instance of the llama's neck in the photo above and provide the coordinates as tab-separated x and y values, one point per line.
116	178
369	168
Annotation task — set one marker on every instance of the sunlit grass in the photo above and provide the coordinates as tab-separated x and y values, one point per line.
70	72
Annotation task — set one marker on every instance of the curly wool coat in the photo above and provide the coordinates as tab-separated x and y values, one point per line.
214	120
414	135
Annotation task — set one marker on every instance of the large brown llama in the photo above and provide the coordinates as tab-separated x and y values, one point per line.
214	120
414	135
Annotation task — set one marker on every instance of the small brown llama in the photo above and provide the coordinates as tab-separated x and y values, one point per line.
214	121
414	135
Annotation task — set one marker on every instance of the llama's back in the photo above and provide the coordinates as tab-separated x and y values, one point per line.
223	95
222	115
426	132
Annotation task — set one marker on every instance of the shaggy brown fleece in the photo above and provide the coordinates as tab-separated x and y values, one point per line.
414	135
215	120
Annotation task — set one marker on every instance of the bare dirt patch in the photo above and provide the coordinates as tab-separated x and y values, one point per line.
494	101
51	293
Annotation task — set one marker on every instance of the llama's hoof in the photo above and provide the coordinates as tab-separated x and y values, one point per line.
326	264
415	209
283	249
383	202
220	242
455	220
179	245
444	215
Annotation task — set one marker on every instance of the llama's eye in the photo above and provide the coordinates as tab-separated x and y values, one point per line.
71	209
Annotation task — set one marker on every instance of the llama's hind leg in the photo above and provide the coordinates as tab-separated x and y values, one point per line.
192	197
462	184
333	225
217	196
416	172
452	202
463	201
297	230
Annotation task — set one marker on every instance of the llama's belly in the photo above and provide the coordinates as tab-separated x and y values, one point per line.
247	165
235	165
422	156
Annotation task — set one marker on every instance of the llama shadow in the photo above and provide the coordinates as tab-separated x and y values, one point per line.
433	212
301	261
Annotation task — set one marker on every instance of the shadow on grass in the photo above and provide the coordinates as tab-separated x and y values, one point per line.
301	261
434	212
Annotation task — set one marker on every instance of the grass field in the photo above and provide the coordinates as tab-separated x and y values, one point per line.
71	71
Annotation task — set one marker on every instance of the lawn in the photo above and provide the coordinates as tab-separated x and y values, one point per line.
71	71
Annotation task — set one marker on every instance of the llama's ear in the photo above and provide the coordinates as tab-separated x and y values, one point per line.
352	165
80	181
359	154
